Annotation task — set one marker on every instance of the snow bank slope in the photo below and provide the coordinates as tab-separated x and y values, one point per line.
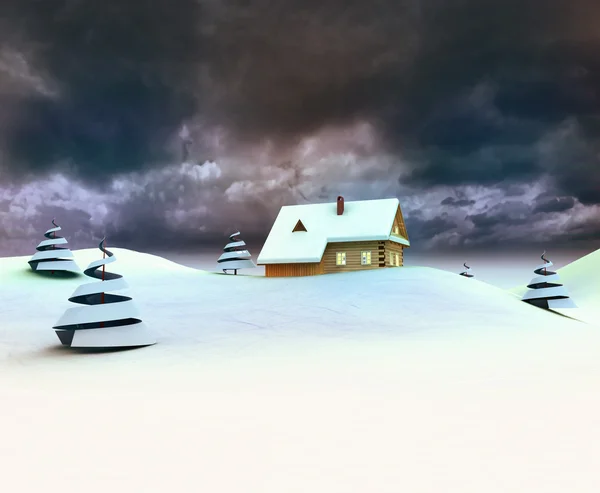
583	279
408	379
17	269
197	315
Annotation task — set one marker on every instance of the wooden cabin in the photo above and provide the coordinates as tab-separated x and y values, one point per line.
313	239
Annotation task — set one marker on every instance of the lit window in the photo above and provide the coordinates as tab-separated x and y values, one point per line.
391	258
397	260
340	258
396	230
365	257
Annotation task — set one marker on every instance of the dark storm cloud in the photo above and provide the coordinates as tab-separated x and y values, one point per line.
451	201
540	61
546	204
420	229
488	220
572	154
129	72
124	72
587	233
292	65
484	220
520	225
289	67
485	166
471	92
494	224
514	190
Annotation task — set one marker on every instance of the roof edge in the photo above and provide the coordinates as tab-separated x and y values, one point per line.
310	260
402	241
307	260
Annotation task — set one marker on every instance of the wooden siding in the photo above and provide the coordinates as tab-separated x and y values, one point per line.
399	223
353	251
380	257
293	270
392	247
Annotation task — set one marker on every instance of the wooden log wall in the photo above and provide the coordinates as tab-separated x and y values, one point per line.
393	247
293	270
353	251
380	257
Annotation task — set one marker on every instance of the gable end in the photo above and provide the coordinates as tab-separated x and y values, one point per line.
399	224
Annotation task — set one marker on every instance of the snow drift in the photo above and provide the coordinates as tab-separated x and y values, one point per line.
583	282
583	277
408	379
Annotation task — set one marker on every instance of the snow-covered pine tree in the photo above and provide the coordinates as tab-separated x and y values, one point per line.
105	320
468	272
545	290
53	258
235	255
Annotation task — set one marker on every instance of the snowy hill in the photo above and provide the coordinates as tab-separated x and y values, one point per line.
582	280
16	268
409	379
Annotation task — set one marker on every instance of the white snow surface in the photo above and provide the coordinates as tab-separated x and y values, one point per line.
581	279
362	220
395	380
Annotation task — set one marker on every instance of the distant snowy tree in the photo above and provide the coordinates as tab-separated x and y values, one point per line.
105	320
467	273
235	256
545	290
50	257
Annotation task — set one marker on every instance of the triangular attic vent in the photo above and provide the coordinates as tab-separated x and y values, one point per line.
299	227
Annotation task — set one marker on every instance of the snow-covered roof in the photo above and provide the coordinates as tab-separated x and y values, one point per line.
363	220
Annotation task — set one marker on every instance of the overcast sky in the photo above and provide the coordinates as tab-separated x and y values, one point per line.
481	116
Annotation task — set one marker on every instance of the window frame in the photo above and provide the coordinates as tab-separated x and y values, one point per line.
340	259
368	257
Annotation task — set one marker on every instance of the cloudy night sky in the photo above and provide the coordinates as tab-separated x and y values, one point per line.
481	116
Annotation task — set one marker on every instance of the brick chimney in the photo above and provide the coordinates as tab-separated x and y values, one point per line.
340	205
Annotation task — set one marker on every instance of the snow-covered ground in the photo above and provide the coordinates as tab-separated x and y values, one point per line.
410	379
582	280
